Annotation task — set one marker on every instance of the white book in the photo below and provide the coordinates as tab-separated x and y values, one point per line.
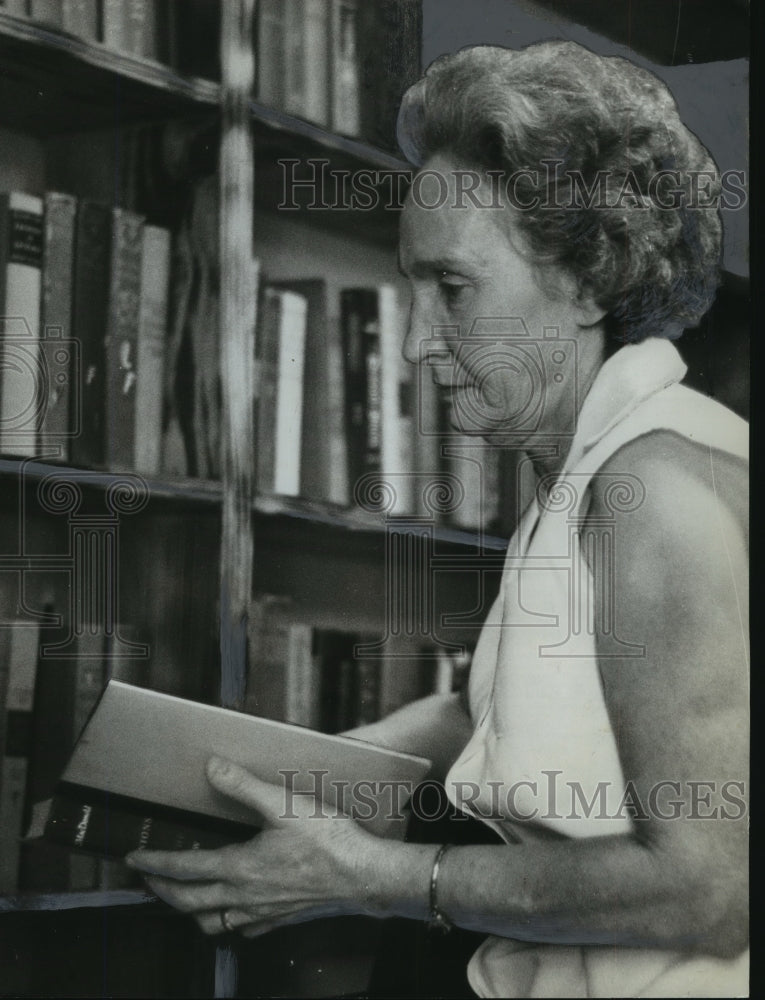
153	748
306	40
289	394
345	116
22	390
280	369
152	338
316	59
397	462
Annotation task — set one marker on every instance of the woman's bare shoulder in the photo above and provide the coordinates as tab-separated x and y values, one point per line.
676	478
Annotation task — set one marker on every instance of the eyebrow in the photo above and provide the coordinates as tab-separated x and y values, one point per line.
426	265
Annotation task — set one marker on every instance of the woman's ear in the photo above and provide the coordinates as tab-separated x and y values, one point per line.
588	312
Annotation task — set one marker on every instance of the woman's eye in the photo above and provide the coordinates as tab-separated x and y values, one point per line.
454	290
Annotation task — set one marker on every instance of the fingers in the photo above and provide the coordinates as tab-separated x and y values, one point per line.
240	784
193	866
191	898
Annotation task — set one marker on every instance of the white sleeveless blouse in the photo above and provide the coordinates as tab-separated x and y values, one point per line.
543	748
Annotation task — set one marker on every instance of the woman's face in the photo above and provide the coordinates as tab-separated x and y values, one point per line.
514	353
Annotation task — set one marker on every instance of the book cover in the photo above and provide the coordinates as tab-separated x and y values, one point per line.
21	387
113	24
92	270
359	309
121	343
396	404
306	39
322	452
268	637
152	342
80	18
301	694
344	68
389	35
280	370
56	421
48	12
153	748
18	660
271	48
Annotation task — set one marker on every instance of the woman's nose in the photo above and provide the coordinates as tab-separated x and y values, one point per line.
424	341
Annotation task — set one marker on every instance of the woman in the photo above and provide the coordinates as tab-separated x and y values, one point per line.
604	739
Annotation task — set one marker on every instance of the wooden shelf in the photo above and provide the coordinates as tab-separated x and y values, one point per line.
28	902
208	492
53	82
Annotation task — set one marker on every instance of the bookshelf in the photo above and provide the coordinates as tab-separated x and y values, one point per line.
188	545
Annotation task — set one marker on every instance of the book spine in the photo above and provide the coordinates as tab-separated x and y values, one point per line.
122	337
272	80
21	394
301	687
269	643
80	17
373	379
316	57
390	33
152	331
295	83
289	395
337	441
48	12
19	702
361	347
395	415
17	8
90	319
367	691
56	322
266	389
113	24
140	28
111	829
344	68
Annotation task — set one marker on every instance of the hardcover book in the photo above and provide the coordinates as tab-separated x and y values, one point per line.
146	753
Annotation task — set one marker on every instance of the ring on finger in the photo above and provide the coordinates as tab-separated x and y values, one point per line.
225	921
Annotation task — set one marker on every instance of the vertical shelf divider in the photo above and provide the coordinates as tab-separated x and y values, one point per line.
237	369
237	344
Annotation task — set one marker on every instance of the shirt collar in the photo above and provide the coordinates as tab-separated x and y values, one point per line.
629	377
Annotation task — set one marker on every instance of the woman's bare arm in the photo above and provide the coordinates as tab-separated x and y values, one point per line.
436	727
679	715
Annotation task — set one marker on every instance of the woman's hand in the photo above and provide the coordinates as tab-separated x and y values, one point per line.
305	863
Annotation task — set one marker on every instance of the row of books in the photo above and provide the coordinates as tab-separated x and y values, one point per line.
84	294
45	702
332	679
184	35
110	359
343	64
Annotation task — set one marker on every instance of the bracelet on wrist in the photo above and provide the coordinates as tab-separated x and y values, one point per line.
438	919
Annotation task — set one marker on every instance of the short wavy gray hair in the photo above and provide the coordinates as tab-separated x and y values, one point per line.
653	268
